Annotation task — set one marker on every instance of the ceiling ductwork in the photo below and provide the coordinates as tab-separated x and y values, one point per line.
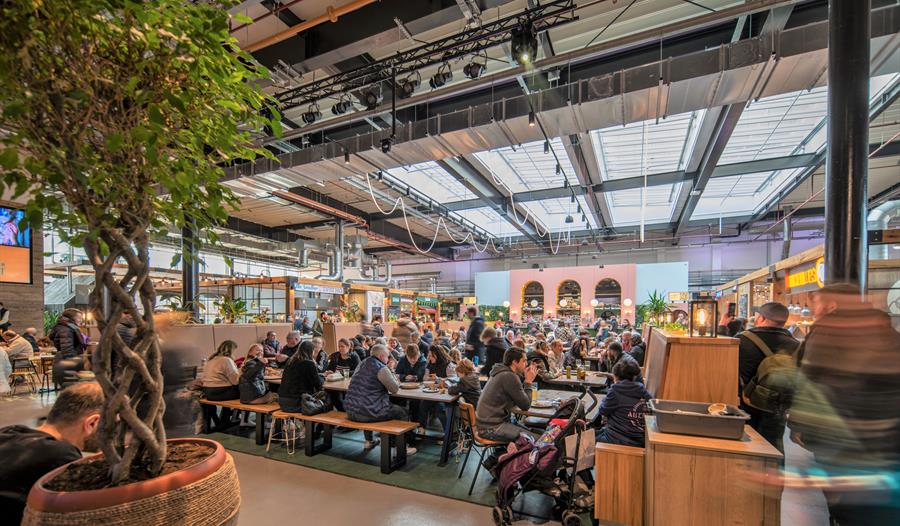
883	217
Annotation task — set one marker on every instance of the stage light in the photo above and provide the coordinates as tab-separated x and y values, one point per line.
531	119
346	156
386	145
546	146
473	69
312	114
524	44
409	85
443	76
569	219
372	100
342	106
558	169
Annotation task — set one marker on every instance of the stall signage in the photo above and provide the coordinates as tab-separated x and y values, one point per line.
404	299
321	289
425	300
807	277
470	300
679	297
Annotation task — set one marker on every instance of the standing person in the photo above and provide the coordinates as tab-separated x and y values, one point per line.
345	358
318	327
403	331
270	345
4	318
305	326
494	348
368	395
503	391
301	376
767	337
28	454
252	384
474	343
69	343
377	326
845	408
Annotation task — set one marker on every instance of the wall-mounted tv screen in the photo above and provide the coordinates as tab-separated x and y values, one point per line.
15	247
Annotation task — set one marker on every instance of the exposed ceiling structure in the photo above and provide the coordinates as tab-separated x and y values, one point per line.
637	123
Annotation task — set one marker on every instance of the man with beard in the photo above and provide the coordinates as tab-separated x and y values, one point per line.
28	454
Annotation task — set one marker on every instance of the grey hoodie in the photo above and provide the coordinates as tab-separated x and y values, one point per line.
503	391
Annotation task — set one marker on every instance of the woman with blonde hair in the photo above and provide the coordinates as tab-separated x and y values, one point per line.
220	382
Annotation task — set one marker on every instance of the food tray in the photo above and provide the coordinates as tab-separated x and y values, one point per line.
727	426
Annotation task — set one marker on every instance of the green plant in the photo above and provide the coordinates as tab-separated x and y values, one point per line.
656	306
119	116
230	310
50	319
494	312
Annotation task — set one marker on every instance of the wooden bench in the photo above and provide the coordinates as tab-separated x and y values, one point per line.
261	411
393	433
619	490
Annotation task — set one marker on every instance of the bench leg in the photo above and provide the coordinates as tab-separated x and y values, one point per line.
309	442
386	465
401	450
207	413
260	429
326	437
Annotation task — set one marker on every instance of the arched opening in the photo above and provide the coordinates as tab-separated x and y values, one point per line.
568	298
533	300
607	299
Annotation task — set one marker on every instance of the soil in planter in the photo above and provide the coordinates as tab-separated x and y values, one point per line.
95	475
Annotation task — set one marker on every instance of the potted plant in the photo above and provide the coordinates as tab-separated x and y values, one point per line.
655	307
117	117
231	310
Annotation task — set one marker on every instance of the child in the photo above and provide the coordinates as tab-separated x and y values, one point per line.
455	358
624	407
469	387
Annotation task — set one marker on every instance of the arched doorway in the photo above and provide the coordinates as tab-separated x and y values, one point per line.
607	299
533	300
568	298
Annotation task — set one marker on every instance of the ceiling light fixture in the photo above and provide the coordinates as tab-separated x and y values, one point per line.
531	118
346	156
474	69
409	86
312	114
570	219
372	100
443	76
524	44
546	147
342	106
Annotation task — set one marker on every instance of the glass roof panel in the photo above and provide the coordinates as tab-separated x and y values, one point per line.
661	147
527	167
489	220
625	205
740	194
552	213
433	181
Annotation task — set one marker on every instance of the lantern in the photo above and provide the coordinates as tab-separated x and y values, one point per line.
563	302
703	316
534	303
627	302
594	302
506	304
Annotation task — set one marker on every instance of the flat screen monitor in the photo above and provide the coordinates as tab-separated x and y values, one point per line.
15	247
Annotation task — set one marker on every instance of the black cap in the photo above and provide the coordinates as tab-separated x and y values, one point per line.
774	311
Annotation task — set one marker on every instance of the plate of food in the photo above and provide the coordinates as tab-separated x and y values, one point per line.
542	404
431	390
334	377
409	385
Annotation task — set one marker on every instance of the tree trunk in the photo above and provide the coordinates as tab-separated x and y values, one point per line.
131	425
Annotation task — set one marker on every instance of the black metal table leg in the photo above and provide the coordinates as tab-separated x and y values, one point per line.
449	414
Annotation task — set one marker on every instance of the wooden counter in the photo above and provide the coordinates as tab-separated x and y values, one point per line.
692	369
696	481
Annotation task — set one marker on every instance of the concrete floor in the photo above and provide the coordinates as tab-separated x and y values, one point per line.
282	492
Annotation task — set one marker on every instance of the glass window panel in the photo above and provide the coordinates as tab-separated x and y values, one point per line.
489	220
527	167
740	194
433	181
625	205
552	213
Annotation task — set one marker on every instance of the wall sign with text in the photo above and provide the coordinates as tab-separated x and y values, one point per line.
807	277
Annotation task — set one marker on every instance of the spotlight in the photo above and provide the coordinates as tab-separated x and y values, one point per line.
342	106
570	219
346	156
546	146
409	85
524	44
372	100
312	114
473	69
386	145
443	76
531	118
558	169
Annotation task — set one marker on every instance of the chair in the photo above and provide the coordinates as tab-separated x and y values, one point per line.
288	433
47	374
467	416
23	368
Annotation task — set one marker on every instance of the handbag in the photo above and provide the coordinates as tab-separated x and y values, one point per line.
311	405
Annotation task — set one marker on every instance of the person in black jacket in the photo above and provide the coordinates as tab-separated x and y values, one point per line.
612	355
30	336
413	366
624	407
319	355
358	347
300	377
69	343
474	346
638	349
345	358
252	384
495	348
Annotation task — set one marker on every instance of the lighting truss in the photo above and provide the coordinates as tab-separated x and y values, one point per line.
469	42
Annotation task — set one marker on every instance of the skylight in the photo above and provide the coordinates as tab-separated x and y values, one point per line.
625	205
740	194
489	220
526	167
432	181
552	213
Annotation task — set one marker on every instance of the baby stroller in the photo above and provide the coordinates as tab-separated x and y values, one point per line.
544	466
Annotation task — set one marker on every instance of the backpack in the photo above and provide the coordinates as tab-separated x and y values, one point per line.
771	389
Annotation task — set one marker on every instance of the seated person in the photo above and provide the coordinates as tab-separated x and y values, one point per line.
292	343
438	362
395	349
503	391
612	355
494	348
271	345
413	366
416	339
17	347
625	340
343	359
624	407
28	454
455	358
220	374
468	386
358	347
579	350
30	336
301	376
638	349
558	352
542	357
319	355
368	395
252	384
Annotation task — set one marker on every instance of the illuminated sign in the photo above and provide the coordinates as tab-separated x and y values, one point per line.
321	289
807	277
470	300
679	297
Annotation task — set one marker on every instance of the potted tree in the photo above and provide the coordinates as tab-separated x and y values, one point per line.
116	119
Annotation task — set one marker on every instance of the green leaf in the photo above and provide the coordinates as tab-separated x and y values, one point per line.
9	158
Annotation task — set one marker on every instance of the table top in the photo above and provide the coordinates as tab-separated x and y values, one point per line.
413	394
40	357
592	379
752	442
550	395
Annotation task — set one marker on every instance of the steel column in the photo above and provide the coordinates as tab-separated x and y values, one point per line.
190	269
846	165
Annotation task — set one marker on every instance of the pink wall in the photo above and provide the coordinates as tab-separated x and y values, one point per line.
587	278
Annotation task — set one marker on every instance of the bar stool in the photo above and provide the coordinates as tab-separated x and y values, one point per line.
23	368
288	433
47	375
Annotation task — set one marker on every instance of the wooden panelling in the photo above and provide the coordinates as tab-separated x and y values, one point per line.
692	369
619	491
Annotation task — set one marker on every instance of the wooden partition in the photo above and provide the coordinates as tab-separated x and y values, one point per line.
692	369
619	491
335	331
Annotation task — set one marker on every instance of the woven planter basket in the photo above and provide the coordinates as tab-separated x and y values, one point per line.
205	494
